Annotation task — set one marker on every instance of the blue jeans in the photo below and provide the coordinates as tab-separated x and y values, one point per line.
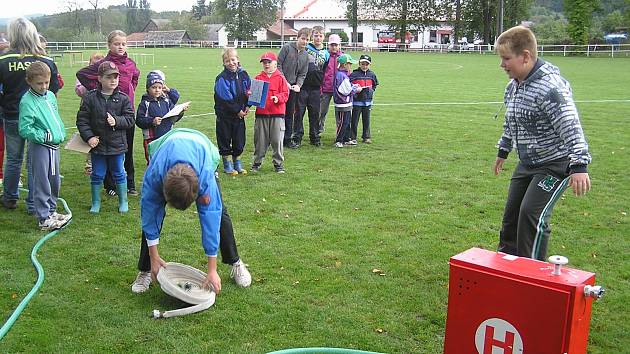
14	150
115	164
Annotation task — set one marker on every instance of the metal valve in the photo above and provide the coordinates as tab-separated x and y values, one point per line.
594	291
558	262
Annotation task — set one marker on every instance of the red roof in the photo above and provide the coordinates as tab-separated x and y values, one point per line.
137	37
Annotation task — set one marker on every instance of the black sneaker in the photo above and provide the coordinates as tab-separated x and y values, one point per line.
294	145
132	192
280	169
316	143
9	204
110	192
255	168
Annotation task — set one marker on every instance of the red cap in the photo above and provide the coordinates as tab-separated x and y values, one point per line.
269	56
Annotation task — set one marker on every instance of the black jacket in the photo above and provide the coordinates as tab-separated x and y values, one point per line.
367	80
92	121
12	79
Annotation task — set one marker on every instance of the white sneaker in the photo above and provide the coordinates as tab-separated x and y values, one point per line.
240	274
61	217
51	224
142	282
339	144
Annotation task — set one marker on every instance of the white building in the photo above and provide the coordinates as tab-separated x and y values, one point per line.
331	14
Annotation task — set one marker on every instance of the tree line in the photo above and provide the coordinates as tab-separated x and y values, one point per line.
553	21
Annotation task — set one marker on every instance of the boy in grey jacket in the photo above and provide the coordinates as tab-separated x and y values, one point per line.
293	64
542	123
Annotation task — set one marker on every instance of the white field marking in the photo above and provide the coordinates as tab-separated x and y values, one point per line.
480	103
434	104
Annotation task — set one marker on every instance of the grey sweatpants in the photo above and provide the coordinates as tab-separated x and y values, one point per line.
269	131
324	105
533	193
44	169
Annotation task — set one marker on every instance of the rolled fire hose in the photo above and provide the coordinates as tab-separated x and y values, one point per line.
186	284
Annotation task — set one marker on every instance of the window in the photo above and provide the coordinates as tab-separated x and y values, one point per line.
432	36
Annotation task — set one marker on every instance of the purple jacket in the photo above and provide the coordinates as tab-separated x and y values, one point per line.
330	70
129	73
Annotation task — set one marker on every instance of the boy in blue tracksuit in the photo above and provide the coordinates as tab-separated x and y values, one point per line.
182	171
155	104
231	89
362	102
41	125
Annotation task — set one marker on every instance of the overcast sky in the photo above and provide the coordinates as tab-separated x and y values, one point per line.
27	7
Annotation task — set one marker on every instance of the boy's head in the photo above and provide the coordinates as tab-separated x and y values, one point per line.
364	62
345	62
96	57
38	77
155	85
334	43
181	186
108	75
317	34
230	59
302	37
517	48
269	62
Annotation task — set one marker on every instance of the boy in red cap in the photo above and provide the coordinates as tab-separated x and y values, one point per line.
269	124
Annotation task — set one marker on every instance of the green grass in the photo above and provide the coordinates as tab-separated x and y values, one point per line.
421	193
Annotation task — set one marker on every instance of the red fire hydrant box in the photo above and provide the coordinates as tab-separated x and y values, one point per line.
504	304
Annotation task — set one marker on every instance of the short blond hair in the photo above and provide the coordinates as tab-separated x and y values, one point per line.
37	68
516	40
229	52
319	29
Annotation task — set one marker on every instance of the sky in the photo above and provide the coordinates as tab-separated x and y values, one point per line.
27	7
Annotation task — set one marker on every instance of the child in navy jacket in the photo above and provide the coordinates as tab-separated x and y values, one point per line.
231	89
362	103
155	104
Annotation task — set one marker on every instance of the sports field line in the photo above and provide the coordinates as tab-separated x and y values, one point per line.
433	104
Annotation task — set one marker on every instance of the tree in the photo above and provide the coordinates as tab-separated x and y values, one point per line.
138	14
97	16
579	14
200	10
244	17
353	19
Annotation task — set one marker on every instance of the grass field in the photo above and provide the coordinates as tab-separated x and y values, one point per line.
420	194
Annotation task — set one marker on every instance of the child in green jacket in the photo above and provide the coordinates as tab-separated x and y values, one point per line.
41	125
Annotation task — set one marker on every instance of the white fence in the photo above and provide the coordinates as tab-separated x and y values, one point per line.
605	50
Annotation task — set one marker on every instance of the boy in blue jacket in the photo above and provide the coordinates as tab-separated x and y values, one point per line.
231	89
182	171
155	104
41	125
362	102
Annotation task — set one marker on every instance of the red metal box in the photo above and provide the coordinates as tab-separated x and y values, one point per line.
503	304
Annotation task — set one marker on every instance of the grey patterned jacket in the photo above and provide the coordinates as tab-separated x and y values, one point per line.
542	122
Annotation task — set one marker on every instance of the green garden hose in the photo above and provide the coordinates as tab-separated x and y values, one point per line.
322	351
40	276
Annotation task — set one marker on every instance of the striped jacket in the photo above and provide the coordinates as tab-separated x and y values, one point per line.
542	122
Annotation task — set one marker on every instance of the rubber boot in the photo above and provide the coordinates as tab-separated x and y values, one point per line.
96	198
123	205
228	166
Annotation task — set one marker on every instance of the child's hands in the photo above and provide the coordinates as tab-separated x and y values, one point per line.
165	88
110	120
186	106
157	120
242	114
214	281
274	99
295	88
93	141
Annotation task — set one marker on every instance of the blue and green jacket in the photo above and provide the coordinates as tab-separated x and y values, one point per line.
230	92
40	122
193	148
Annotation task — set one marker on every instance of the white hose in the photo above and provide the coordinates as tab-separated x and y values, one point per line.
184	283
